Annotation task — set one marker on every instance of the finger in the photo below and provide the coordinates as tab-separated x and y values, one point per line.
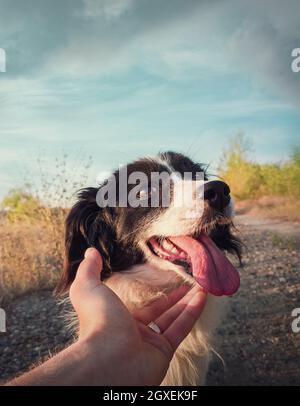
168	317
90	268
182	326
88	273
155	309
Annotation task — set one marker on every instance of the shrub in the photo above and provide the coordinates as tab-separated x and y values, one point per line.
20	205
250	180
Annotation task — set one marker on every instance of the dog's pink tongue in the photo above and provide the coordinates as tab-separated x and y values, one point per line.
211	269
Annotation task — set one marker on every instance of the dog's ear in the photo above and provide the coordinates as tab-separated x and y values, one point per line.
87	225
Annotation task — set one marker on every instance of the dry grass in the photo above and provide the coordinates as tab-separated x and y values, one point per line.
283	208
32	226
31	254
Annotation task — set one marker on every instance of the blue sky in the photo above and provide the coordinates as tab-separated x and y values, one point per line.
118	79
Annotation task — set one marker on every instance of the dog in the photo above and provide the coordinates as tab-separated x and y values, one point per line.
149	251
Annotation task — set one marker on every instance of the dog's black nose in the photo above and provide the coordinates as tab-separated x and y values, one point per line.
217	193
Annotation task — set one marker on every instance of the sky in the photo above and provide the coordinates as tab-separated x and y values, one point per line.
113	80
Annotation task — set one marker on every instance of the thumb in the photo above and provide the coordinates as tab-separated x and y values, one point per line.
92	263
89	270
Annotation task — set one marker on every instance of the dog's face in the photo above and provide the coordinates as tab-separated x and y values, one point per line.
168	236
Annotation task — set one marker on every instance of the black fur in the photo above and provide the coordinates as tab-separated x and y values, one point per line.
114	231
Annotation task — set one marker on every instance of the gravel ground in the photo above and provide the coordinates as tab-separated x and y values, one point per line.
35	329
255	340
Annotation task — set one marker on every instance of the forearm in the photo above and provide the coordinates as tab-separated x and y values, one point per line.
84	363
72	366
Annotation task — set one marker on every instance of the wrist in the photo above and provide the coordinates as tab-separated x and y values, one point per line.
98	364
107	365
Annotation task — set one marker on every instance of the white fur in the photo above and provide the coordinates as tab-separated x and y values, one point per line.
145	283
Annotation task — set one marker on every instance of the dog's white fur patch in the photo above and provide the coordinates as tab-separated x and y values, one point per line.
145	284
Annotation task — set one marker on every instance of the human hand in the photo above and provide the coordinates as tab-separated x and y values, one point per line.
115	347
119	346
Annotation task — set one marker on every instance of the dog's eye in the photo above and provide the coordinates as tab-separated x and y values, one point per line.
145	194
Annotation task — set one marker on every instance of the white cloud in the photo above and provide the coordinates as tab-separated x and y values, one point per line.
109	9
68	62
171	39
261	45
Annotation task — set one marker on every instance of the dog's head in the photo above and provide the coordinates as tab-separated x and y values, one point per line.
157	228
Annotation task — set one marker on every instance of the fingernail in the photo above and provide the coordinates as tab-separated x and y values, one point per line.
198	299
92	253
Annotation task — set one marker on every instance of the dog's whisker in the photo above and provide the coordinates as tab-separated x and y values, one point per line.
135	231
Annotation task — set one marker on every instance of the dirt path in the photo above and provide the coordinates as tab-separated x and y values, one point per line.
255	340
289	229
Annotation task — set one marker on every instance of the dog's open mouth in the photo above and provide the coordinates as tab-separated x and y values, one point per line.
200	258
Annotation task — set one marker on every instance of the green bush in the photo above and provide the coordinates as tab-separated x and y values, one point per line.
250	180
21	205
